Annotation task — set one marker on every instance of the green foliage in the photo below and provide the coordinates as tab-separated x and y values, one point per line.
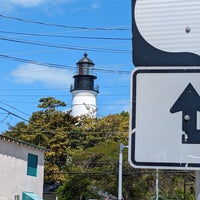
83	156
179	186
50	103
77	186
48	128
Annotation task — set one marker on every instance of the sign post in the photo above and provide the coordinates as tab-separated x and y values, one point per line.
121	148
197	185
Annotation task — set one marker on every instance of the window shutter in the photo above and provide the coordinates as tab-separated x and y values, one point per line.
32	165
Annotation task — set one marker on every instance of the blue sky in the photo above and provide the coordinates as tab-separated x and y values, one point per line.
41	41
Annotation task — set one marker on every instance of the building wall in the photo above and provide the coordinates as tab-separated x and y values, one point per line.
50	197
13	170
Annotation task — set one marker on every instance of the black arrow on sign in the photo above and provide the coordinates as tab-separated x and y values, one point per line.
189	103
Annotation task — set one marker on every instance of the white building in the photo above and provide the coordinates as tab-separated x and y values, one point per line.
83	90
21	170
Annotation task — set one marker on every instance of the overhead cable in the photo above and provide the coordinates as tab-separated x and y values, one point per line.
65	36
9	112
58	65
35	62
66	47
65	26
38	95
15	108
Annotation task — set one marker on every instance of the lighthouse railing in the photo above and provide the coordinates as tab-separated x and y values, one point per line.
94	88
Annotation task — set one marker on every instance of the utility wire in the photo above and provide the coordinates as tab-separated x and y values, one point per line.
14	108
55	131
65	26
53	89
58	65
9	112
65	36
35	62
99	104
38	95
66	47
4	118
116	173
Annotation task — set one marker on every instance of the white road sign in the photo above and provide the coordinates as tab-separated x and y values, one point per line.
165	118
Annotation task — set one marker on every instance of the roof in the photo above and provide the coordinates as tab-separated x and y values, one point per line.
85	59
31	196
21	142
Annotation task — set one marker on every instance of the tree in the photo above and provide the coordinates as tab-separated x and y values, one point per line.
48	128
50	103
96	149
76	187
82	156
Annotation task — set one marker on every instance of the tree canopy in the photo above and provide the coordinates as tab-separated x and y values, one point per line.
82	156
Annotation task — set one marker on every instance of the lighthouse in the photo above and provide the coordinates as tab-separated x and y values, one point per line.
83	91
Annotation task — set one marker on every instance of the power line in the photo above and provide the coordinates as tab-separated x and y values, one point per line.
19	117
4	118
65	26
129	173
66	36
9	112
36	62
53	89
99	104
14	108
98	132
66	47
38	95
58	65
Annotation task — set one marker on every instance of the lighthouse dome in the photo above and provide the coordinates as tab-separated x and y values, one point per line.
85	60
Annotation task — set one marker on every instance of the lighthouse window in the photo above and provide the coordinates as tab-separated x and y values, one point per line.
83	69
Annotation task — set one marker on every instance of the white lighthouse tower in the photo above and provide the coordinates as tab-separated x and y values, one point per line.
83	90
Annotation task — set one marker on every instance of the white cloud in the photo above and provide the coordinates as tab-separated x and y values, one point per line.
52	77
9	5
27	3
94	5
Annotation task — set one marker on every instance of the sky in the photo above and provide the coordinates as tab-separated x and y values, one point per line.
41	42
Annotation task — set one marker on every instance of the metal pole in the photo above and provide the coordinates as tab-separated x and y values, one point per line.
120	171
197	180
157	190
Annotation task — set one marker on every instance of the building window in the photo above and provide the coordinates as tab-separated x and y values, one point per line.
32	165
16	197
